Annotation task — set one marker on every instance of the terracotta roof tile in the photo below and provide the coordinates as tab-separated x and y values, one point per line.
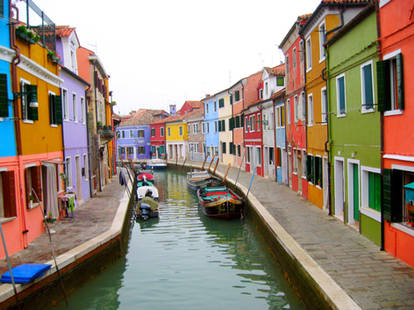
64	31
142	117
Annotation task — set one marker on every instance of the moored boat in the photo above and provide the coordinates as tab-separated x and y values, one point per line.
147	195
157	164
200	179
220	202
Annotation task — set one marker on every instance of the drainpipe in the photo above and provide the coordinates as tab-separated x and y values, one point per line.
88	144
306	105
15	61
380	56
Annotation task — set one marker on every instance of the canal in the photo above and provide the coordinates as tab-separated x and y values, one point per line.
184	260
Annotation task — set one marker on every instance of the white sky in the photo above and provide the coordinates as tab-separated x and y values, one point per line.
168	51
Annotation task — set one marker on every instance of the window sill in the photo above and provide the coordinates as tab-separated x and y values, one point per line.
53	125
34	205
365	111
404	228
393	112
27	121
304	177
341	115
7	219
375	215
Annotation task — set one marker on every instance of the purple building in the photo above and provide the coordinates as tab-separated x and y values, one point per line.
74	110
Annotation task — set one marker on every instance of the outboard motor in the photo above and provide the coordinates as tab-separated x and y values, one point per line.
145	211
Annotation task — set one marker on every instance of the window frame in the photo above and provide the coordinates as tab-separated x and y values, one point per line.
65	104
311	118
363	97
322	41
308	47
324	106
338	103
74	107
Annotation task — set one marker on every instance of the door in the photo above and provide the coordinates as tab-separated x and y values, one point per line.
339	189
299	156
325	184
355	187
290	169
78	178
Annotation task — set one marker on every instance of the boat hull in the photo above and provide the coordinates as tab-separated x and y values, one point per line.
224	208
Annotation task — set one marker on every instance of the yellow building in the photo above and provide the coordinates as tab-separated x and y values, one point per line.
176	137
328	18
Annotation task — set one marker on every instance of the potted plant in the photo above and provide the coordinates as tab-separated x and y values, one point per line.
26	34
99	125
53	56
50	218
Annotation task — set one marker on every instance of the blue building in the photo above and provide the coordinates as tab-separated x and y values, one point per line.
281	152
133	135
211	126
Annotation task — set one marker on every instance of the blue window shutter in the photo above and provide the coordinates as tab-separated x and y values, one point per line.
4	102
341	90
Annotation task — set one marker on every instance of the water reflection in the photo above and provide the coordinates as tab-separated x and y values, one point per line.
185	260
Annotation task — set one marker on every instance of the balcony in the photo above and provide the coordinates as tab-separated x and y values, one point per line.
106	133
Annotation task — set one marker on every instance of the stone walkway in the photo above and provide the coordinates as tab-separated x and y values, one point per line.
372	278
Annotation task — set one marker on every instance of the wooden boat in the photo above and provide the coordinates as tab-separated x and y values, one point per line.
200	179
220	202
157	164
144	187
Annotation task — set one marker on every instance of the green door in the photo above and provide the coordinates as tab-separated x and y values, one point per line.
356	192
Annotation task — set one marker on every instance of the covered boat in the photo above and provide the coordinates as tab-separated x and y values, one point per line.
220	201
147	208
200	179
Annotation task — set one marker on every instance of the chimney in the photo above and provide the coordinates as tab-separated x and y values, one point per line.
172	109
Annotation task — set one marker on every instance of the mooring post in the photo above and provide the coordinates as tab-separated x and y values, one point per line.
185	159
215	167
241	163
214	156
227	171
204	162
251	182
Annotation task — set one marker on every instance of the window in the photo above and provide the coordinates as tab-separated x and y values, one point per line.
247	125
65	104
296	108
280	81
271	155
390	79
207	127
238	150
318	171
206	108
29	111
152	132
130	151
266	89
121	152
85	167
169	131
74	108
261	93
310	110
141	150
371	188
181	130
215	126
223	147
340	95
322	40
258	122
295	161
83	110
294	58
162	131
237	95
324	105
367	87
221	103
231	99
287	64
215	106
55	109
7	194
141	133
303	104
301	51
249	155
308	54
288	111
123	133
33	183
68	172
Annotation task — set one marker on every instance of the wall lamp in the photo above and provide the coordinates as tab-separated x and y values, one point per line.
31	93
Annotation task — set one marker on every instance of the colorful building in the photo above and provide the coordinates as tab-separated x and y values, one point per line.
176	137
210	129
158	146
396	99
227	148
195	120
74	113
280	136
293	48
236	92
355	125
328	17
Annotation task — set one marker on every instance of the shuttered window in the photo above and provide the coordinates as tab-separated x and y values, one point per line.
367	87
340	95
223	147
221	103
4	102
374	191
392	191
55	109
8	194
29	95
237	95
33	182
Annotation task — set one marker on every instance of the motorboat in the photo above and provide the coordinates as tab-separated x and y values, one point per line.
157	163
220	202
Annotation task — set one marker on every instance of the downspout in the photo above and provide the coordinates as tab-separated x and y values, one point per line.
15	61
89	144
380	57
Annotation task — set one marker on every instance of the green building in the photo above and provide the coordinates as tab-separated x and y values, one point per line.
354	125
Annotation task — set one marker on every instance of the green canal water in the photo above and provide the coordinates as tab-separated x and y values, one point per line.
184	260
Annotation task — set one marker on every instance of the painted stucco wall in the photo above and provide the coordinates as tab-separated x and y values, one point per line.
225	113
211	137
134	141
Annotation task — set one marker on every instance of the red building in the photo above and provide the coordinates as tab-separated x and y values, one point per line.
293	48
253	134
396	100
158	146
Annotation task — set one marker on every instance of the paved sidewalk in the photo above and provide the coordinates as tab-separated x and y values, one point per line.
91	219
372	278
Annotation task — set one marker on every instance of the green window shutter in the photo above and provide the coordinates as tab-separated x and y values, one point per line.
400	81
219	126
231	99
32	113
237	95
374	184
58	109
392	191
383	86
4	102
224	125
313	170
308	167
369	100
230	127
237	118
341	95
51	110
241	121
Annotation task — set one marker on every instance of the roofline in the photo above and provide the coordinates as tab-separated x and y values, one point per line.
291	30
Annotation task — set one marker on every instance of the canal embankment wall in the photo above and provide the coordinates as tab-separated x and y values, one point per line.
317	289
77	263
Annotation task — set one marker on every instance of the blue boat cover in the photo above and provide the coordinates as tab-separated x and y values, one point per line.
25	273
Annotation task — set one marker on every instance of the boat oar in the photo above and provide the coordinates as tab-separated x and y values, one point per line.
241	163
